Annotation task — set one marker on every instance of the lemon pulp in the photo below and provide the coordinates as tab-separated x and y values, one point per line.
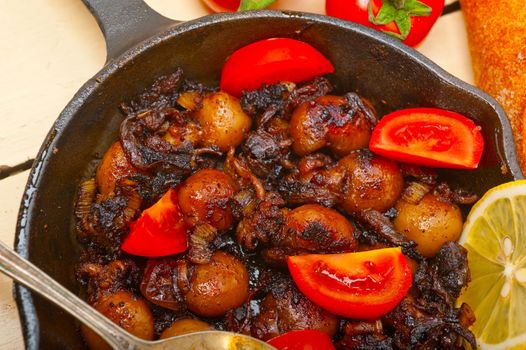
495	237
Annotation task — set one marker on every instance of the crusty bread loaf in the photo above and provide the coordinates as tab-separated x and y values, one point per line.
497	40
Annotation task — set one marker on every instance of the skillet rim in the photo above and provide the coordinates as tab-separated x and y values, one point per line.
23	297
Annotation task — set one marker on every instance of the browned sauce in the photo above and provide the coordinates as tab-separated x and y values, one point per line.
283	171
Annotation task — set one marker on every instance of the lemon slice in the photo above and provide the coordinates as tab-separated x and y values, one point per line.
495	237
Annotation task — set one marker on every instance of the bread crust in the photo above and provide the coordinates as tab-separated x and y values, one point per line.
497	40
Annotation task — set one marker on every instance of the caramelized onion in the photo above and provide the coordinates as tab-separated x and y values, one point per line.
240	168
190	100
246	201
133	205
458	195
182	273
86	197
415	192
200	239
159	284
363	327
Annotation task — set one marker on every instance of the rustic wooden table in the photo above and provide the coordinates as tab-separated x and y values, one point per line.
51	47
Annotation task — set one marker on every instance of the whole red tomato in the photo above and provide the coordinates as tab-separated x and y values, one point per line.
235	5
408	20
222	5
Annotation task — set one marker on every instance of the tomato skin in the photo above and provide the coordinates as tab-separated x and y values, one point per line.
270	61
357	11
159	231
429	136
308	339
362	285
222	5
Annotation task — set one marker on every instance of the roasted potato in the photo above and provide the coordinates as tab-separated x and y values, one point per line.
327	122
372	182
205	198
430	223
223	122
113	167
185	326
315	228
287	309
126	310
218	286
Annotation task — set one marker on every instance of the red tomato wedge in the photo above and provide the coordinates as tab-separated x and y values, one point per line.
308	339
363	285
270	61
429	136
159	231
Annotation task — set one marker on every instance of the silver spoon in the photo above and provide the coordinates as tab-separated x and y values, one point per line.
24	272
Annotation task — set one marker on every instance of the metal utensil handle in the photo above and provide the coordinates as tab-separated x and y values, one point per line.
126	23
32	277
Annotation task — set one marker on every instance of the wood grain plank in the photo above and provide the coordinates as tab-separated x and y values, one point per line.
11	191
447	45
49	48
10	329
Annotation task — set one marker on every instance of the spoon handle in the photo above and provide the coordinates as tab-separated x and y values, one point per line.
24	272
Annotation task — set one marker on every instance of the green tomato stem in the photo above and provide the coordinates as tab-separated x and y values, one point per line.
399	4
246	5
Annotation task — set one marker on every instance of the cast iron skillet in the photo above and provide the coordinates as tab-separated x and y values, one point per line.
143	45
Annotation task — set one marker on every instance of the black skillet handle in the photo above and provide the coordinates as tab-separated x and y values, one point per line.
126	23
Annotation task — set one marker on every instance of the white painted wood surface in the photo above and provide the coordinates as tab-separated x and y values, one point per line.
50	47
